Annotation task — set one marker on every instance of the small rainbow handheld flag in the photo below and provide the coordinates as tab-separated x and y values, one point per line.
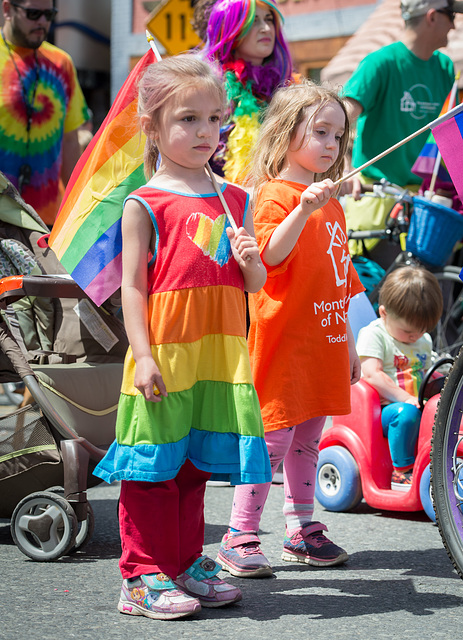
448	133
425	164
86	236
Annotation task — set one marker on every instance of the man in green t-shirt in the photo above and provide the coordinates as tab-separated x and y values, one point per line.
395	91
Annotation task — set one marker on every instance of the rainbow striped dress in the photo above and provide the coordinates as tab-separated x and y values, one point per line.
197	334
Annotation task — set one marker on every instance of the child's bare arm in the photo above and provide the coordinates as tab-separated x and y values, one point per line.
373	373
354	361
284	238
136	236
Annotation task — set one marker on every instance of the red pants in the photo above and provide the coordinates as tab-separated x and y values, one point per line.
162	523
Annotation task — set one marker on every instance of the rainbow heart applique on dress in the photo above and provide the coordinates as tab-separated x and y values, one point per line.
210	236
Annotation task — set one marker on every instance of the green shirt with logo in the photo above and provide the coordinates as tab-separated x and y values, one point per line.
399	93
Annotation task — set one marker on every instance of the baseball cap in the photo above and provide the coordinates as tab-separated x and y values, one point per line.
415	8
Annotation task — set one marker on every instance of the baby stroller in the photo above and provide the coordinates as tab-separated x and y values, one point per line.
68	354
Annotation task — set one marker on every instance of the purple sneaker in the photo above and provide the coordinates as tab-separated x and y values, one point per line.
240	555
155	596
201	581
310	546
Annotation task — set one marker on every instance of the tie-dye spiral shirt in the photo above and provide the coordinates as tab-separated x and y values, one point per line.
59	107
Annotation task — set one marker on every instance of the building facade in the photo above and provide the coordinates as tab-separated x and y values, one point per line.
315	30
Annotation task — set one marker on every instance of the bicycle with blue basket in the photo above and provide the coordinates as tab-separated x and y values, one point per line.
427	233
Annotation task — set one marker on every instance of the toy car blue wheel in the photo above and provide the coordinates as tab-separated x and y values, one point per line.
425	494
338	487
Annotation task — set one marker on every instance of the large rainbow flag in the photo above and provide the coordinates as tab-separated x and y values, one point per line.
86	236
425	163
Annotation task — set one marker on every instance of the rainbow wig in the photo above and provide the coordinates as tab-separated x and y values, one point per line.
230	21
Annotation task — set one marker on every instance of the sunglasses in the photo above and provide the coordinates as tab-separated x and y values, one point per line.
448	12
36	14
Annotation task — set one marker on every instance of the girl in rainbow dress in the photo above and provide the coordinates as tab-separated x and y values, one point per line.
245	37
188	407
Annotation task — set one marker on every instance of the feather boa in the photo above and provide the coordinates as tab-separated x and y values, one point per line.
249	90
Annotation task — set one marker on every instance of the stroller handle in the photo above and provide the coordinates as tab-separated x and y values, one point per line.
14	288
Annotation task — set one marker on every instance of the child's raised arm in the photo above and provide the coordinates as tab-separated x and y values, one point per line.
137	230
284	238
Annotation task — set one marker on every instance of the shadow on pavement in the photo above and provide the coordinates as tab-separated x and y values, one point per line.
332	598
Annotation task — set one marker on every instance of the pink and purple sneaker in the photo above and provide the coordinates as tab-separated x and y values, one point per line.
200	581
155	596
309	545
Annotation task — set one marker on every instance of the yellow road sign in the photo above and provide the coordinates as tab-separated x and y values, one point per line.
170	23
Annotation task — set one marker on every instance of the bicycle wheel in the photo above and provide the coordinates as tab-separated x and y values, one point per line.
447	465
447	337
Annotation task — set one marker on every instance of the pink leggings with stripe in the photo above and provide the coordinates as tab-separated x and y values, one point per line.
298	447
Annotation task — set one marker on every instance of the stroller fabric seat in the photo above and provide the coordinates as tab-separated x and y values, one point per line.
85	395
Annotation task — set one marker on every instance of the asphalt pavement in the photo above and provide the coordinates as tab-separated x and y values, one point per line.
397	583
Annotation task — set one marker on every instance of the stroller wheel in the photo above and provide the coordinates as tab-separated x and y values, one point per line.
85	530
44	526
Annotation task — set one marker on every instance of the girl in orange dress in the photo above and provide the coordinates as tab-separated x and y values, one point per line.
302	349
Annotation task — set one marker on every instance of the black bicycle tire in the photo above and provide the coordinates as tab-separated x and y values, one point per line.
452	347
445	438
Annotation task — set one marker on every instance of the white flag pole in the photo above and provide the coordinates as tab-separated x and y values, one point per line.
153	46
435	171
218	191
431	125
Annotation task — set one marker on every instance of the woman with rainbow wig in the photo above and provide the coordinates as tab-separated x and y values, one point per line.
245	37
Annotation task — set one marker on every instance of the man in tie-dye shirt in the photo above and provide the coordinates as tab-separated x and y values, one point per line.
395	352
41	107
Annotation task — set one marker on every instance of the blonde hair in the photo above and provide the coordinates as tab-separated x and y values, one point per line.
161	82
287	110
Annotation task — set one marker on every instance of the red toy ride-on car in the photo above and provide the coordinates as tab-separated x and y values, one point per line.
355	461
